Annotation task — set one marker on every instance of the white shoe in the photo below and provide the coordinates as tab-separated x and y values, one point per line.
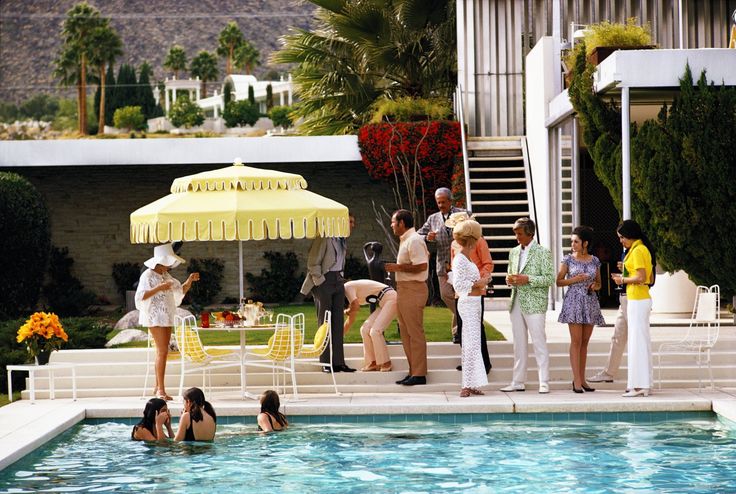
513	387
632	392
543	388
601	377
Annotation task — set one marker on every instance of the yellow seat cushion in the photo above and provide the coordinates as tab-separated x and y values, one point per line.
319	341
320	335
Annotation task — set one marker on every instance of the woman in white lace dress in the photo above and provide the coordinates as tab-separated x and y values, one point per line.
156	299
469	287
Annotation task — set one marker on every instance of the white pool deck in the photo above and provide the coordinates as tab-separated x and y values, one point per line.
25	426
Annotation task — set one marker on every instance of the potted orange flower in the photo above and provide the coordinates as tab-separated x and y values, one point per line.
42	334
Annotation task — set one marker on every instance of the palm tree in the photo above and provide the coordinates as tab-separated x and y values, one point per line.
230	38
246	57
363	50
81	21
204	66
106	47
176	60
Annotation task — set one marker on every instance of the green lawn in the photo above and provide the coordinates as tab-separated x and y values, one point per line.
4	398
436	327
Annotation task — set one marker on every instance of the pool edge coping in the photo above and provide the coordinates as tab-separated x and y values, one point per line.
50	418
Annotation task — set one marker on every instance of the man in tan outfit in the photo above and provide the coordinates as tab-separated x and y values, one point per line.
411	284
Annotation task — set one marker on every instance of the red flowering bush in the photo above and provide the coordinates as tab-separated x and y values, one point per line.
458	184
432	145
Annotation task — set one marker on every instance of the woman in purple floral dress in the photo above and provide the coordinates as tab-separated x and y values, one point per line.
580	272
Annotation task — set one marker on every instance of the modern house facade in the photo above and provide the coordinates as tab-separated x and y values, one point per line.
511	75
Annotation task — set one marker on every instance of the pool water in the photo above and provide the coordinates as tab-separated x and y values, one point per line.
695	454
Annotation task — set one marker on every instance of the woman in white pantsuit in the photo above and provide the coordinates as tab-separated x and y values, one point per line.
638	276
469	287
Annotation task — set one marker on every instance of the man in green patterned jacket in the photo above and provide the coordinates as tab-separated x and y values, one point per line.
530	274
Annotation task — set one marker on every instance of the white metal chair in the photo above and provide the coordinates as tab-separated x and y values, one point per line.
194	357
282	348
702	333
322	338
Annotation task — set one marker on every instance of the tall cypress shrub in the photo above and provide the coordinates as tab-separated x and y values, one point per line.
145	92
126	90
110	91
25	241
683	168
227	94
251	95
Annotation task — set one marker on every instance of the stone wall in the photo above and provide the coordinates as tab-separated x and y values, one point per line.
90	210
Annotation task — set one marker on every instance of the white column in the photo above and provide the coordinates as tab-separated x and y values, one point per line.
167	100
173	95
625	153
199	94
216	107
290	98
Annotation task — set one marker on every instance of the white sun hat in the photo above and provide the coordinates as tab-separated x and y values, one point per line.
458	217
164	255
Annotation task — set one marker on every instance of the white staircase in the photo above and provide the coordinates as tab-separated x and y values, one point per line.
498	196
120	372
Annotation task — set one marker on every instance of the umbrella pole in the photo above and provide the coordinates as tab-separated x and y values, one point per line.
243	382
240	269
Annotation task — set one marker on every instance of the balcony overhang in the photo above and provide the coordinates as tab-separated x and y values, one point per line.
654	75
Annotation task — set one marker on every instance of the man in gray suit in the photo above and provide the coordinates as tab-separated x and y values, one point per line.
325	263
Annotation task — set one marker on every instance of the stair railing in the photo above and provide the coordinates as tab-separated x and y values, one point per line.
460	112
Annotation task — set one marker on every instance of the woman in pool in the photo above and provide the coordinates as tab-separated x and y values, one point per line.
270	419
156	417
198	420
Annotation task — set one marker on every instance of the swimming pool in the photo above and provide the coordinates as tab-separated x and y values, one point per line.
682	452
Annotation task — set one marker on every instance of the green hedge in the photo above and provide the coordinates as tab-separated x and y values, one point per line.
25	240
683	171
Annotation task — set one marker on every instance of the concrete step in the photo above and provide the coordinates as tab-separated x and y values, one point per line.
121	372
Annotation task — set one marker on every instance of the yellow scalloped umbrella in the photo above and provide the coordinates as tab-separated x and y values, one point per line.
239	203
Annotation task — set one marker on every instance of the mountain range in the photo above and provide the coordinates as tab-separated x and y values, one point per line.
30	34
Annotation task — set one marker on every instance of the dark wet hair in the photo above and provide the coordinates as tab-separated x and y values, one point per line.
630	229
270	404
585	234
195	396
405	216
148	421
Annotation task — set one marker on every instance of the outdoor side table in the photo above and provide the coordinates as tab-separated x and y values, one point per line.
32	369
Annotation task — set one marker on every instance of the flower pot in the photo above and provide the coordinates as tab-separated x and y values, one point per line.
600	53
43	357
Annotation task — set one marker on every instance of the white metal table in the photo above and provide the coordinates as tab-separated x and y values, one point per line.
33	369
242	330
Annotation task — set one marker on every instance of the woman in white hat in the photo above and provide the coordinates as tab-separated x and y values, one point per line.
156	299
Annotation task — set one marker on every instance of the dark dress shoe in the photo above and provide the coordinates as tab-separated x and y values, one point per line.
459	367
402	381
343	368
456	339
415	380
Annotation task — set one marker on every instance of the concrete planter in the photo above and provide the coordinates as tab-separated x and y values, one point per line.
673	293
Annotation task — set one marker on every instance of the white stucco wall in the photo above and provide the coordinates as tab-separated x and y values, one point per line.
154	151
540	89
